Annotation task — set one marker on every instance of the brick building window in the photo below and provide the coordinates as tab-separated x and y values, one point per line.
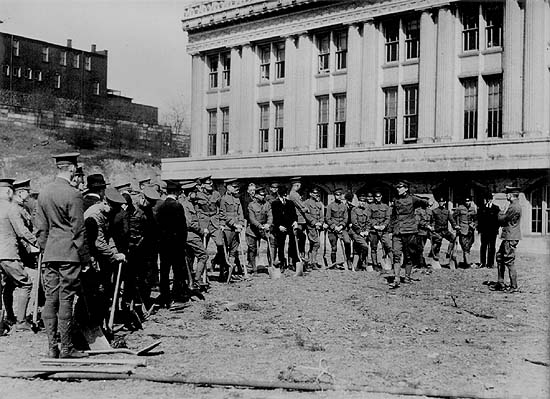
265	61
17	72
45	54
279	122
279	60
28	74
323	46
493	25
225	131
264	127
6	70
410	117
212	131
96	88
16	48
470	108
38	75
76	61
63	58
57	81
340	120
341	44
88	63
322	122
391	38
411	28
213	68
470	29
390	115
226	69
494	106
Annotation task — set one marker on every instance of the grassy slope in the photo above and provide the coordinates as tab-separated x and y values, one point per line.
26	152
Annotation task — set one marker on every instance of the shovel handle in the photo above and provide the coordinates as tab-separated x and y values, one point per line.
115	297
36	293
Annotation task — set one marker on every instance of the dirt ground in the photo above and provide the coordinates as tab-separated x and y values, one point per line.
368	337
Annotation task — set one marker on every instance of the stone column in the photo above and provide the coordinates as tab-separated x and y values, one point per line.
370	91
247	106
512	70
534	68
235	129
198	127
445	75
426	80
291	87
354	85
304	135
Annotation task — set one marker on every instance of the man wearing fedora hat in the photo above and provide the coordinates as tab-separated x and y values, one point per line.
95	190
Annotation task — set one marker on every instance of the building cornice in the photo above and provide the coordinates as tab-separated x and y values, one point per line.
321	16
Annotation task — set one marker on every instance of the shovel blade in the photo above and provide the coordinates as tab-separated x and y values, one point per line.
299	269
95	338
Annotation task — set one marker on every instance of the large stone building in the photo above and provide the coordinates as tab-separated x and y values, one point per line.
452	96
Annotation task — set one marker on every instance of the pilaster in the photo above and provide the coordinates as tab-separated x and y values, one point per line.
198	128
371	86
304	138
235	129
427	78
354	86
291	86
248	108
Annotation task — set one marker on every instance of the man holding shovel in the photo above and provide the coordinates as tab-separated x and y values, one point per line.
260	220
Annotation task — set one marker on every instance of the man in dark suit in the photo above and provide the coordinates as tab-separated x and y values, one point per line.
487	225
61	236
172	227
95	190
284	223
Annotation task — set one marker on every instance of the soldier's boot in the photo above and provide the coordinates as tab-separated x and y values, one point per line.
333	258
467	259
313	259
374	257
67	349
50	324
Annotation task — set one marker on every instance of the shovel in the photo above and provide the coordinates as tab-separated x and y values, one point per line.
344	254
243	259
115	298
299	264
142	352
325	261
452	258
34	325
228	264
205	271
274	272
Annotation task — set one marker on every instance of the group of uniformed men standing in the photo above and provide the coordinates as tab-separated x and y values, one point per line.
84	233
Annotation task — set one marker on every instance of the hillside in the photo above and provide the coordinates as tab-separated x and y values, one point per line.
26	152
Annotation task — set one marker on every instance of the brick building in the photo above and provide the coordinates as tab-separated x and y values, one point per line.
452	96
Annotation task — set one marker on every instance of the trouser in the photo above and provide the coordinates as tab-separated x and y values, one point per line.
171	258
280	239
300	233
218	238
61	284
437	239
231	240
314	244
15	280
252	243
487	249
506	257
466	241
384	239
194	248
333	239
360	247
422	239
406	245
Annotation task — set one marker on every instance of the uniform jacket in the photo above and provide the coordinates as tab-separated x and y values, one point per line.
172	224
27	257
207	206
510	222
12	230
403	216
487	219
191	217
441	219
378	214
98	231
284	214
91	199
245	201
337	215
259	214
465	218
59	223
120	229
301	208
315	212
360	219
424	219
231	212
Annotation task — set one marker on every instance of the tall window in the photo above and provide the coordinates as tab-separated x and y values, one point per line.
264	127
340	121
391	36
38	75
57	81
96	88
213	74
412	38
17	72
279	60
322	122
323	46
45	54
390	115
341	43
225	131
279	121
470	29
212	131
494	107
6	70
28	74
410	117
226	69
16	48
539	199
470	108
63	58
76	61
493	25
88	63
265	60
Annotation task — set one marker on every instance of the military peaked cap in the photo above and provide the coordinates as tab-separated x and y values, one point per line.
6	182
67	158
113	196
22	185
188	186
512	189
151	194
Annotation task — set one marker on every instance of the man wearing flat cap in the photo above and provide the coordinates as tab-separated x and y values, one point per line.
259	227
379	216
61	235
12	271
510	220
337	219
442	218
359	230
301	212
232	222
315	221
273	192
207	205
466	220
95	190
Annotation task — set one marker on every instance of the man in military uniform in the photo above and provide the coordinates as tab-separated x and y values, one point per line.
61	235
273	193
442	217
379	219
95	190
301	213
405	229
247	198
510	220
231	222
465	217
207	205
194	246
258	227
78	180
144	183
284	223
487	225
359	230
425	227
337	218
315	219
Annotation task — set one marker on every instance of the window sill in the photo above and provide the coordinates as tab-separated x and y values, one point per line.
278	82
340	72
412	61
322	73
261	84
492	50
212	90
389	65
470	53
224	89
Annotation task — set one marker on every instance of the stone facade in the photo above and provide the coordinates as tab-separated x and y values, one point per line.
440	93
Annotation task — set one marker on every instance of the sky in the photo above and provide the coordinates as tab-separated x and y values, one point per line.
147	47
